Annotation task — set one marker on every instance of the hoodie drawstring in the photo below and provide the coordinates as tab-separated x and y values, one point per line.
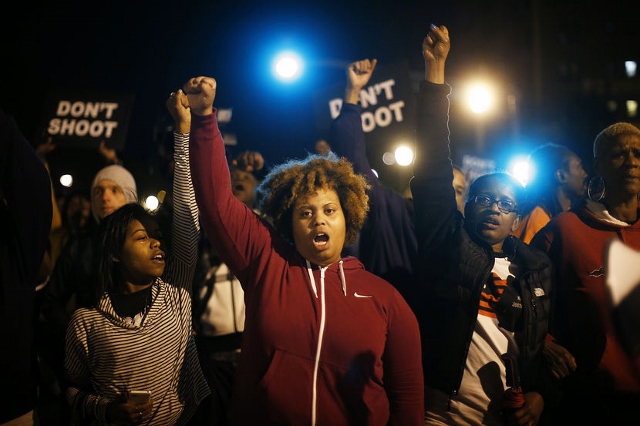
323	316
342	278
313	280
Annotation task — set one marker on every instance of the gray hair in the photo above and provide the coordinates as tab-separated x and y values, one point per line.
611	134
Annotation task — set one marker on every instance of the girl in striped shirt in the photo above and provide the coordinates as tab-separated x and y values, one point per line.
137	336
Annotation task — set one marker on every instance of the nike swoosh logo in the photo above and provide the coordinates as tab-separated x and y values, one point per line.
356	294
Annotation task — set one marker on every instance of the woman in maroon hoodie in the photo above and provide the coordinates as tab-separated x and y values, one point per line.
325	342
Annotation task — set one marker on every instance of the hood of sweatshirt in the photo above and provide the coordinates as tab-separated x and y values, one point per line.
345	264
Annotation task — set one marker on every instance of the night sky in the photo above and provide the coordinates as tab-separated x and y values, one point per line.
149	49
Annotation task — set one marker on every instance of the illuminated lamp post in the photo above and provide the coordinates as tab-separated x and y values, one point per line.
480	99
399	161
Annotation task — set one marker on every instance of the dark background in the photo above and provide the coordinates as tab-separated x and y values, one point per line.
560	60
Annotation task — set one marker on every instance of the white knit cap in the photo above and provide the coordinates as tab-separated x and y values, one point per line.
122	177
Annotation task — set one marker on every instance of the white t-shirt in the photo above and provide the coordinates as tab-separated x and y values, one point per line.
479	400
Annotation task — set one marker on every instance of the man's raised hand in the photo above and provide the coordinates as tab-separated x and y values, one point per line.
358	75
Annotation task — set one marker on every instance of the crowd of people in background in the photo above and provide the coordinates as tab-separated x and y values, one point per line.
309	292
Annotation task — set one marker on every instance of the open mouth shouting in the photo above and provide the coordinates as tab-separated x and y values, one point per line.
158	257
321	241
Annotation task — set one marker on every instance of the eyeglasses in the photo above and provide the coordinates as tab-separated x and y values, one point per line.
505	206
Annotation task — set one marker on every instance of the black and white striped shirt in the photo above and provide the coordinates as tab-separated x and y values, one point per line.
107	355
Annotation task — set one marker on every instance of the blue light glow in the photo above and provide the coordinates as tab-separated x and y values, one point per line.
287	66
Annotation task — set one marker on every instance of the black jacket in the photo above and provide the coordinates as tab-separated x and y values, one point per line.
25	218
455	263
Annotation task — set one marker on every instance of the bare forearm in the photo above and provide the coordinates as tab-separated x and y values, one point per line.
434	72
351	95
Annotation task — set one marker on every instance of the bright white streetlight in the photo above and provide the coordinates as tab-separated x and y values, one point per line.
630	68
66	180
151	203
480	97
404	155
520	168
287	66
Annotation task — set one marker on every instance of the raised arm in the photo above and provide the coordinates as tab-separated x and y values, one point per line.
236	232
201	92
433	194
358	75
388	246
346	130
433	109
435	49
186	226
347	136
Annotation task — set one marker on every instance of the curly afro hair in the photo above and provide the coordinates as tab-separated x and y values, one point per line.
297	178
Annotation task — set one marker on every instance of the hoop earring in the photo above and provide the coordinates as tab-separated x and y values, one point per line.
596	188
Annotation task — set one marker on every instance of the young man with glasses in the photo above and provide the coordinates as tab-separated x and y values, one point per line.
482	297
